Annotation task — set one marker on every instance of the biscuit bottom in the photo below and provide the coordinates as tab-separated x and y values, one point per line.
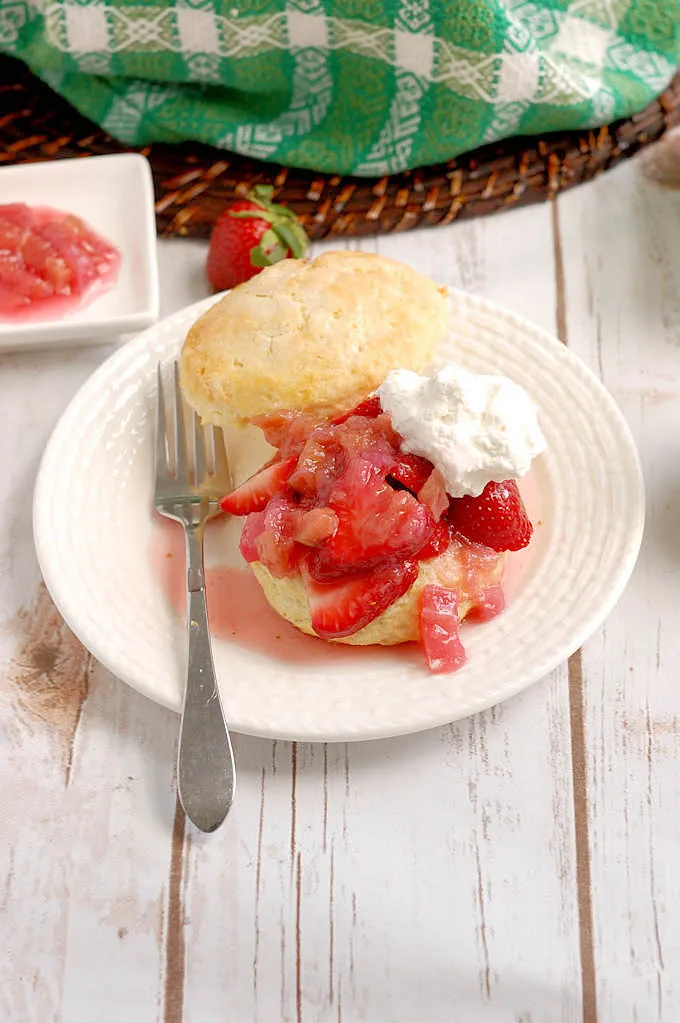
467	570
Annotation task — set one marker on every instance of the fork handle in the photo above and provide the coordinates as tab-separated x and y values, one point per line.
205	759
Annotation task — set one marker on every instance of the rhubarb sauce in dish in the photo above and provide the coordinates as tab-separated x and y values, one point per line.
51	263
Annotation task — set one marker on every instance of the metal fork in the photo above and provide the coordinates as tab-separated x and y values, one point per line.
191	477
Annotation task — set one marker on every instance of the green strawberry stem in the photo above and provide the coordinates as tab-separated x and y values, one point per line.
286	233
261	193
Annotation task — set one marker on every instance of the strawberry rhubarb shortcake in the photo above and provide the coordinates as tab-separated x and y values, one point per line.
390	499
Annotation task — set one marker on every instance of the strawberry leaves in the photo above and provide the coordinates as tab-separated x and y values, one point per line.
284	237
269	251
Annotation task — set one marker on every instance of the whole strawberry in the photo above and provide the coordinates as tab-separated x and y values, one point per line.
496	519
251	234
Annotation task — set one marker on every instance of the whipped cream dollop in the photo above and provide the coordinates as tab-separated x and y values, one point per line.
473	427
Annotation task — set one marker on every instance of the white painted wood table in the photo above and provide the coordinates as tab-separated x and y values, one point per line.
517	867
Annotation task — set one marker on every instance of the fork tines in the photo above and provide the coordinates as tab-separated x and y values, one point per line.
188	454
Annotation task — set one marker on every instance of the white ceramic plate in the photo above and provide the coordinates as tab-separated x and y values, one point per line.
114	196
94	526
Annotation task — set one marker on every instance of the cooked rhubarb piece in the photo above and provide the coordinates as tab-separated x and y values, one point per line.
439	629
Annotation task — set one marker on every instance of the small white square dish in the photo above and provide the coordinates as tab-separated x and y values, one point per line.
114	196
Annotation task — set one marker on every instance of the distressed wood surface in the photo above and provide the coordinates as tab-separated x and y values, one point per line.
518	867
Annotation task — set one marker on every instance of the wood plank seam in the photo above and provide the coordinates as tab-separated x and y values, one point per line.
577	727
175	951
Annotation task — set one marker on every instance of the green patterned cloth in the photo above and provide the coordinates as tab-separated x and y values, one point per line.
367	87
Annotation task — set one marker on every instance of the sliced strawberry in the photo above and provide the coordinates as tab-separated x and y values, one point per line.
411	471
342	608
439	625
433	494
252	528
438	542
369	408
254	494
489	604
316	525
375	524
496	519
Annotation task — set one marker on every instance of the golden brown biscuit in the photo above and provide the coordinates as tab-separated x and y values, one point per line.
399	622
317	335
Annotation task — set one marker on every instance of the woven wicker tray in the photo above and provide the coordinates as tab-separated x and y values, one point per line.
193	183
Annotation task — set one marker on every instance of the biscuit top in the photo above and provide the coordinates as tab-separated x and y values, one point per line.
317	335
